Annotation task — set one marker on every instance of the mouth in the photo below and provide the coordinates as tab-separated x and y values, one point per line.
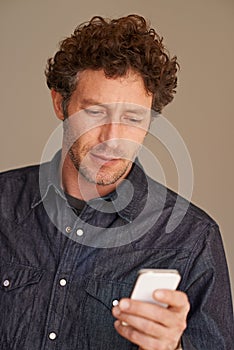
104	158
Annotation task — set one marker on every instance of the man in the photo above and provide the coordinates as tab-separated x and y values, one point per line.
75	231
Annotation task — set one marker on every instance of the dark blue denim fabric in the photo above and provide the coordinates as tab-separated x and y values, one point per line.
39	246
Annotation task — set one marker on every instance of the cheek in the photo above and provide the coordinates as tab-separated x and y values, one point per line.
77	125
136	135
87	141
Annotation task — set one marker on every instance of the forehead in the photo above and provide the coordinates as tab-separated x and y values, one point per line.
94	86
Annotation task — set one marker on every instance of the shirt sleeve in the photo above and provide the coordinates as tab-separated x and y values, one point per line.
210	323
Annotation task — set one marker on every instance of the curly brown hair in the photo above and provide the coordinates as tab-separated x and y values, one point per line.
115	46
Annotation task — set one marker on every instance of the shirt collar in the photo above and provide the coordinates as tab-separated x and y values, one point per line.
131	193
128	199
49	176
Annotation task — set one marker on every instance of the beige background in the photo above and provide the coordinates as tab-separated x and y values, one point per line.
199	32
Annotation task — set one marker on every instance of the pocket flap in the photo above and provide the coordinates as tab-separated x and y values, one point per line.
108	291
16	276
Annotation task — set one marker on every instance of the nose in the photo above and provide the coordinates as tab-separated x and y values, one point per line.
112	133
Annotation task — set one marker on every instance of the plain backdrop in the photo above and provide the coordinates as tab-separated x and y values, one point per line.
199	32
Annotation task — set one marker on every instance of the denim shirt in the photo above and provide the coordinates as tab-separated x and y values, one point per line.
59	273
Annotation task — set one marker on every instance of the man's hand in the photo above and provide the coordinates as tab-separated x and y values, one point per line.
151	326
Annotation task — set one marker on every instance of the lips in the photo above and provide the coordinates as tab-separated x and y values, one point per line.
104	157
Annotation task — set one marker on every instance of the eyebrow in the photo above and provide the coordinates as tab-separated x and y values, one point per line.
90	102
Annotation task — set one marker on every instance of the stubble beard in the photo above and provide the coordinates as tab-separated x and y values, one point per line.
104	175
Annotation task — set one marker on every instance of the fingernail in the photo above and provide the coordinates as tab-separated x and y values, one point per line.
124	305
159	294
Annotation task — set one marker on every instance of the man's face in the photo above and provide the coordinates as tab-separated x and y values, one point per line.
108	120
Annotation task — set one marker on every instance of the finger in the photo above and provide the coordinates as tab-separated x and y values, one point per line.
168	317
174	299
149	311
136	337
170	327
142	324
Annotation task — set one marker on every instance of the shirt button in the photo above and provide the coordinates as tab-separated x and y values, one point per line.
115	302
79	232
68	229
63	282
52	336
6	283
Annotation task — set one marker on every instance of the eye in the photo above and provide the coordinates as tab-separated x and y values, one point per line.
95	112
133	119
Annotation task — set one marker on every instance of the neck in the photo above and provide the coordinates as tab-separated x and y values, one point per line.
77	186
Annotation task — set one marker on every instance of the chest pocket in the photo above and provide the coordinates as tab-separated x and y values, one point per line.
106	292
99	323
18	290
14	277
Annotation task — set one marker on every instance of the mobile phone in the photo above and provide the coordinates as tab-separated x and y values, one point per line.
148	280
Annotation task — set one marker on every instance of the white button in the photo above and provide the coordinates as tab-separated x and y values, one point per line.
115	302
6	283
52	336
68	229
62	282
79	232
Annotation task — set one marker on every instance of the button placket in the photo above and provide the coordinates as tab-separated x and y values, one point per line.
58	297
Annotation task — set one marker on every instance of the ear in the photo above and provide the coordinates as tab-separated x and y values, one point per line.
57	103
